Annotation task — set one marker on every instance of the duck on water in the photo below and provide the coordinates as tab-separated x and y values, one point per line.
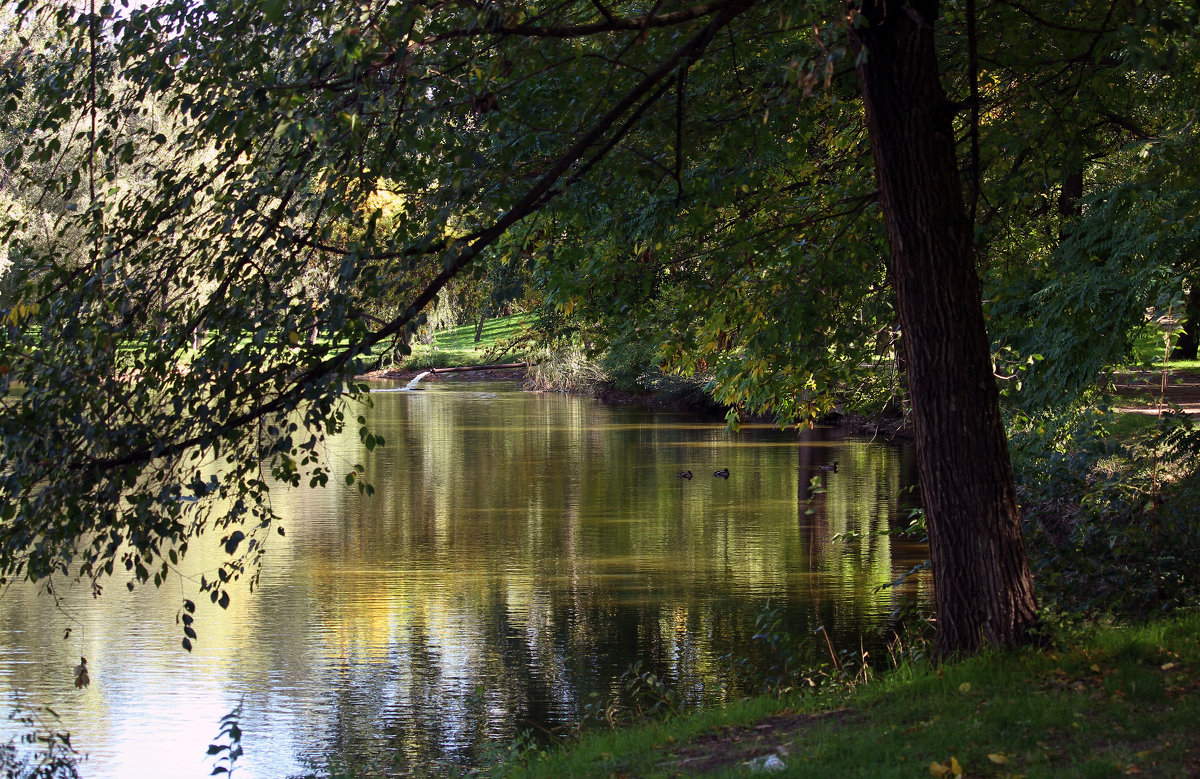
721	474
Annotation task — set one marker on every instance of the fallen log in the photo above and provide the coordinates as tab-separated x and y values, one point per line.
495	367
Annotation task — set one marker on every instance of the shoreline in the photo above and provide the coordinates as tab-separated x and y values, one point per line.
892	429
492	374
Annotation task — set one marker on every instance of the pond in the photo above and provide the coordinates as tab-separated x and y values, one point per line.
520	553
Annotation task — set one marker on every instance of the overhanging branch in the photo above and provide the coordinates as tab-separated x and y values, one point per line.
457	258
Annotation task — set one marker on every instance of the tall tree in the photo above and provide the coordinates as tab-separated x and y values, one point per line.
982	582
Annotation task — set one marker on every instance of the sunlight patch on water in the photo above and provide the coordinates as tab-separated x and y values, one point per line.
519	553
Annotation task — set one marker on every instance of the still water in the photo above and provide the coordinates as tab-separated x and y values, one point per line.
520	552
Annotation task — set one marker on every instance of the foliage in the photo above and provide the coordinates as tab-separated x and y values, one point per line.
564	369
1127	252
1111	520
511	758
42	751
258	197
229	751
1072	273
781	663
736	273
641	695
748	287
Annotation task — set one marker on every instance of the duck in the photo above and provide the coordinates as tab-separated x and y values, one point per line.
722	474
684	475
828	468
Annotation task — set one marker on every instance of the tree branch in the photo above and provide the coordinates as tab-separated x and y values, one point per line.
495	24
456	259
1055	25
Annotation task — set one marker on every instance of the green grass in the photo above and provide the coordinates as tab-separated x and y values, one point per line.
1147	346
1120	701
1148	351
494	330
1124	426
450	348
456	347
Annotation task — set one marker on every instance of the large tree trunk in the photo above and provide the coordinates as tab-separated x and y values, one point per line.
982	583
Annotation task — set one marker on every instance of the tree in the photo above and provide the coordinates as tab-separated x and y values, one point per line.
282	132
982	581
1089	70
724	134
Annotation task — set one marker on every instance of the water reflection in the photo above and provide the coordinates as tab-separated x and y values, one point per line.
520	551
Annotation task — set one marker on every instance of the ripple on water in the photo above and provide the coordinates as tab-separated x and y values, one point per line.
519	553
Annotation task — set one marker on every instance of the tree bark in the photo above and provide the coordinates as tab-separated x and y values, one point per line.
982	582
1188	345
1072	190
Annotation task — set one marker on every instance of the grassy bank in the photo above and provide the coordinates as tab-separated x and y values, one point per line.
1111	702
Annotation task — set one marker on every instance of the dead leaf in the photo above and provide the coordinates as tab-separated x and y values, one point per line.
81	674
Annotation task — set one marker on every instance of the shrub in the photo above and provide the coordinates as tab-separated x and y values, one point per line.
1111	522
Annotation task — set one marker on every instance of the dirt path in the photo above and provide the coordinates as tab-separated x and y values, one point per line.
741	745
1139	393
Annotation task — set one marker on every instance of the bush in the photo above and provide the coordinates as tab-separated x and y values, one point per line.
566	369
1111	522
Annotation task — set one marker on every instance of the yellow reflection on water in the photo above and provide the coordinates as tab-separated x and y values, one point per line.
520	552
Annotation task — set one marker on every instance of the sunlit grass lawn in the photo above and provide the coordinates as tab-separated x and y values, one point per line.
1121	701
1149	351
449	348
457	347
